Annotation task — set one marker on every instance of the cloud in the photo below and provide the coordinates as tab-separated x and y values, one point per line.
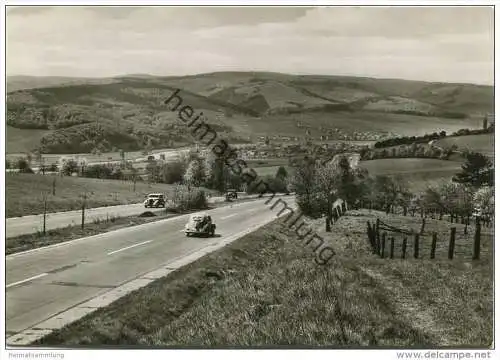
442	44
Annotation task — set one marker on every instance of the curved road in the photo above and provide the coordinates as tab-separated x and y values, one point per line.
47	281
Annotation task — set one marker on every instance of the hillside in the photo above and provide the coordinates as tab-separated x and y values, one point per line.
484	143
356	300
79	115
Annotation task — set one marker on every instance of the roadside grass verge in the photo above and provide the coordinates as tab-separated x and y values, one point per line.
24	193
266	290
32	241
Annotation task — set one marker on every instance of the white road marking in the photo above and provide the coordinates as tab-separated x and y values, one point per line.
26	280
129	247
227	217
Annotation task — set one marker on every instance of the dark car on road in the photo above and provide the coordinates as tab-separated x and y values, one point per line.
231	195
155	201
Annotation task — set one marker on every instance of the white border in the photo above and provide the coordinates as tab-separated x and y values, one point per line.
216	354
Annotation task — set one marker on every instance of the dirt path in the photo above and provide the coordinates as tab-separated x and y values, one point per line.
416	313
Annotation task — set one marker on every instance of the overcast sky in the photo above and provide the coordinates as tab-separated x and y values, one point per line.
435	44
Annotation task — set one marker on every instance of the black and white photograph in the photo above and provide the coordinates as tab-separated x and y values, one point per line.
229	175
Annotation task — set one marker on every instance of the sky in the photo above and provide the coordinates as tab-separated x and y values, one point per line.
454	44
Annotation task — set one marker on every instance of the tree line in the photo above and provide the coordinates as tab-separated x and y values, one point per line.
318	185
408	140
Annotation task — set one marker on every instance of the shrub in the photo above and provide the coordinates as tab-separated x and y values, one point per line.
97	171
185	198
24	166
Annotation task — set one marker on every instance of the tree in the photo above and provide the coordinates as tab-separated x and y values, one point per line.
173	171
148	147
152	170
484	201
196	173
282	174
303	183
96	151
29	158
476	171
349	176
327	178
69	166
24	166
389	190
218	173
336	179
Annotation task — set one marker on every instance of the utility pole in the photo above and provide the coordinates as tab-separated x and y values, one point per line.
83	209
44	214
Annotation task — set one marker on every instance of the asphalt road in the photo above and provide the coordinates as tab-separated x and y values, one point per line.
32	223
46	281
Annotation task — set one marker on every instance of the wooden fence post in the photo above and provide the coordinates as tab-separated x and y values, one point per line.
451	246
433	245
377	235
422	227
371	236
416	247
403	251
477	240
392	247
382	250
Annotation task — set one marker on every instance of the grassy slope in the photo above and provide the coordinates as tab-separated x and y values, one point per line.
25	193
20	140
480	143
418	172
265	290
134	101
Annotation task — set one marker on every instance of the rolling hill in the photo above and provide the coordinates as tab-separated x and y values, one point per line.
79	115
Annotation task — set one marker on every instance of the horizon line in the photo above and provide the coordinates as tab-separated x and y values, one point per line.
250	71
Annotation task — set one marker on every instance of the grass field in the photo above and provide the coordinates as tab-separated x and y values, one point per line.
266	290
19	140
24	193
484	143
267	170
418	172
267	167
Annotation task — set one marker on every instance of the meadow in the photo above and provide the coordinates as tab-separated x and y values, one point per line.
419	173
484	143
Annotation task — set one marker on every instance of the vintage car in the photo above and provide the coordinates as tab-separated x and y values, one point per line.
231	195
155	200
200	224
